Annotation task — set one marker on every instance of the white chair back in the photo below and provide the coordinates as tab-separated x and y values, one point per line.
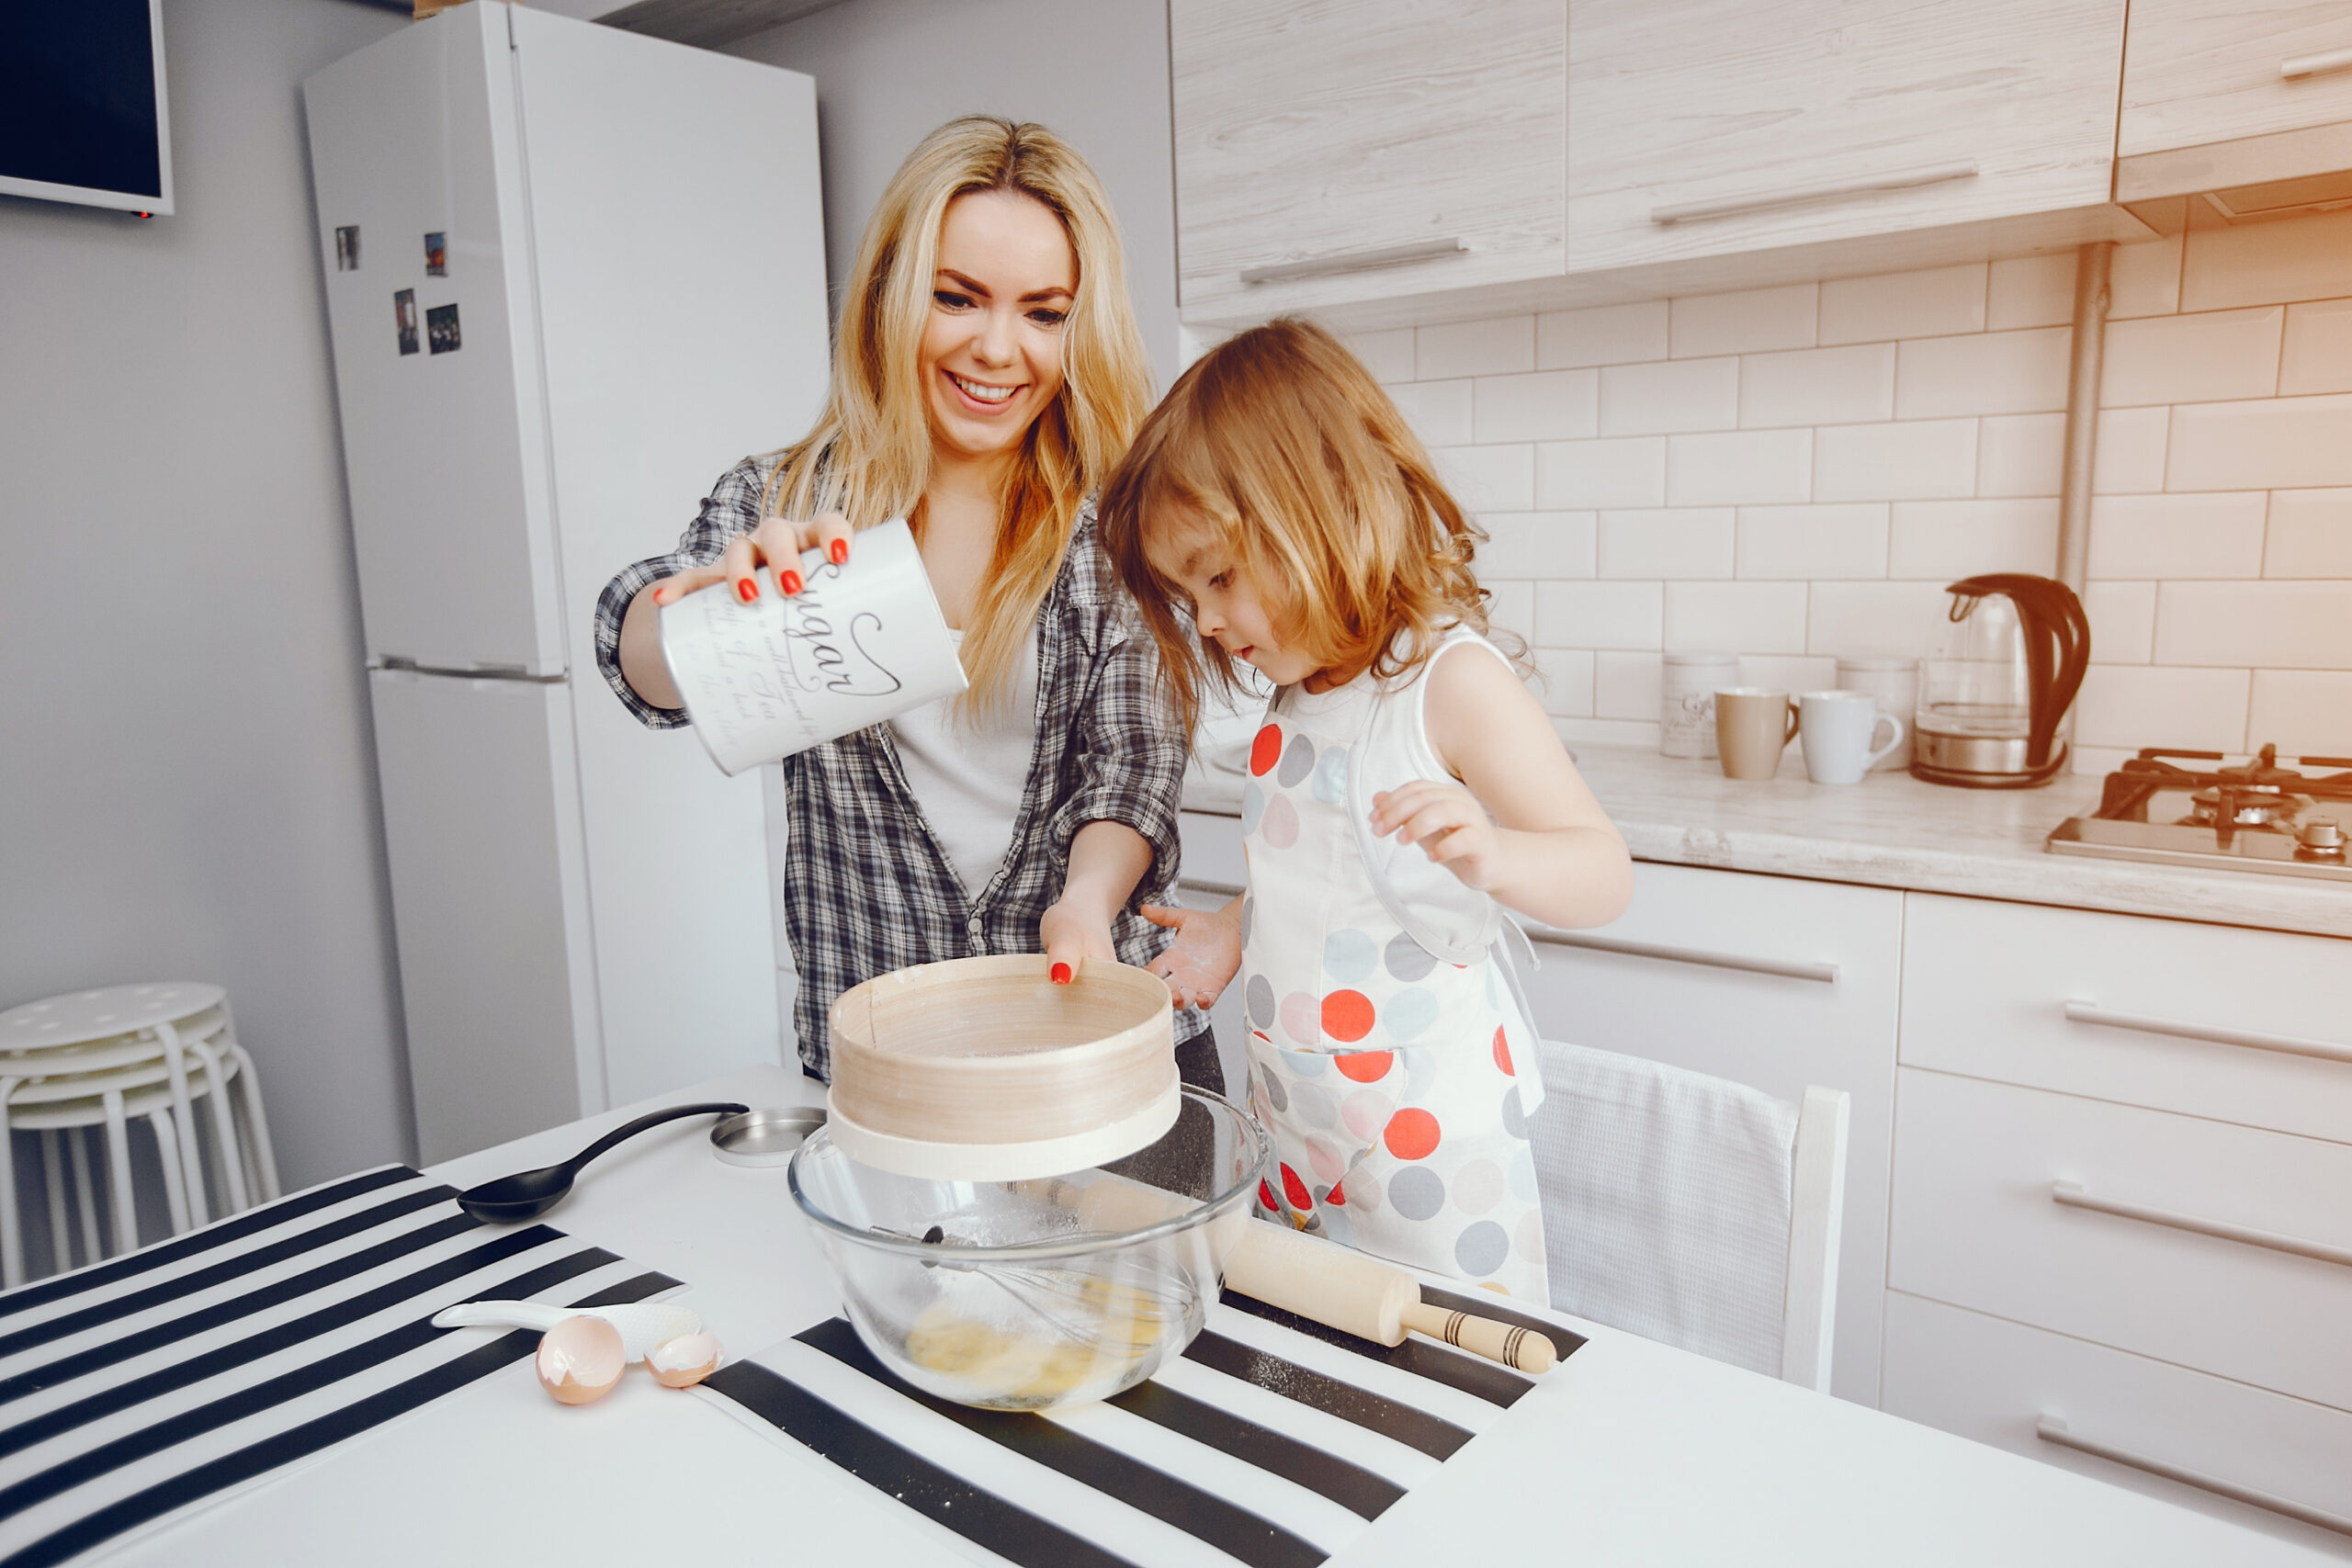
1692	1210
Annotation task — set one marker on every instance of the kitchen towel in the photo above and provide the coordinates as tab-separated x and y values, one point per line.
1273	1441
152	1384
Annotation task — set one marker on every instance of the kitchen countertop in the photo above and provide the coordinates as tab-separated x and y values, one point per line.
1891	831
1631	1453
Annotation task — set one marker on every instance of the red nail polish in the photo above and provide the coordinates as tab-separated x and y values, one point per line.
746	590
1061	974
787	582
838	551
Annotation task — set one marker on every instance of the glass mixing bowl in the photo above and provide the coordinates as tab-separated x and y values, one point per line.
1021	1295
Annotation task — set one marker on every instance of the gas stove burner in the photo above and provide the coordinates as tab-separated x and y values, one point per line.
2253	815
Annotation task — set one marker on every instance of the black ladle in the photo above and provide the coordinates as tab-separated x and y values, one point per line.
530	1193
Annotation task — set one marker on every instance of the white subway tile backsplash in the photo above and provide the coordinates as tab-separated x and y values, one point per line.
2208	357
2123	705
2017	372
1845	539
1947	540
1852	620
1571	475
1387	354
1670	395
2210	533
1795	674
1603	334
2032	291
1667	542
1537	544
1749	466
1745	322
1625	685
1921	460
1564	682
1607	732
1753	617
1439	411
1489	478
2319	348
2025	454
2132	448
2304	712
2268	264
1543	405
1599	614
2310	534
2305	626
1904	304
1496	346
2144	279
2279	442
1511	608
2123	621
1817	386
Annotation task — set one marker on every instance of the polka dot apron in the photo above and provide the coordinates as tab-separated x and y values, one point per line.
1383	1074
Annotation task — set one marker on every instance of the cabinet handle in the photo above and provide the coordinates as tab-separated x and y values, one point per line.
1352	261
2071	1193
1898	179
2050	1429
2316	64
1787	968
2214	1034
1214	889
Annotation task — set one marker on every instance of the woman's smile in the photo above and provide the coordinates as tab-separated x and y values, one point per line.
990	397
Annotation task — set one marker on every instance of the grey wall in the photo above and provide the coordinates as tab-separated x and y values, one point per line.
1096	71
186	789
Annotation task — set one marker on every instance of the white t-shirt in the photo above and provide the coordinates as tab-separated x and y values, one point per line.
969	779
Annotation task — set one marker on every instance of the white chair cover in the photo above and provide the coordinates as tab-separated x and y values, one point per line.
1667	1200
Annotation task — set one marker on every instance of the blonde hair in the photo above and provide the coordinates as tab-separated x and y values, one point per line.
869	456
1283	447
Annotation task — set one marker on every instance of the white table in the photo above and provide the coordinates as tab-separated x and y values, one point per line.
1630	1453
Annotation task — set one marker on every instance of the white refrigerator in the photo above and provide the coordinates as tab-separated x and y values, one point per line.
572	275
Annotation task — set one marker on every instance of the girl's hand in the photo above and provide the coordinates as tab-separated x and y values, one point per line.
776	544
1202	961
1449	824
1072	931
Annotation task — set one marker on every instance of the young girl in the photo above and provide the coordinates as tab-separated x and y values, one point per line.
1275	511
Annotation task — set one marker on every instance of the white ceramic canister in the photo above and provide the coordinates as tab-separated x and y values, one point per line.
1895	684
1687	686
862	642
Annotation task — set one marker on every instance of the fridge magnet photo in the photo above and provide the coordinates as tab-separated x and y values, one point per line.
405	314
441	329
346	248
436	255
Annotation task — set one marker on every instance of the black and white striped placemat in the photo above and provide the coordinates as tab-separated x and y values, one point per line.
1272	1442
148	1385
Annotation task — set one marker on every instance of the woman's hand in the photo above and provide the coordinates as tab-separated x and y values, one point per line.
1106	861
1073	930
1202	961
776	544
1449	824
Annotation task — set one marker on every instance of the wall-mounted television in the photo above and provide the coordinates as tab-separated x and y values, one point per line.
81	107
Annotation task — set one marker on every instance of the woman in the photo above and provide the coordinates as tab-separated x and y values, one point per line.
987	375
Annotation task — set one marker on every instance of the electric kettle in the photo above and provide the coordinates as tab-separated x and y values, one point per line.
1994	694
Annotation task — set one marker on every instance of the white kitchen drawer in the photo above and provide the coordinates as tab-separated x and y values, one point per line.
1694	131
1980	1171
1987	987
2204	70
1771	981
1995	1381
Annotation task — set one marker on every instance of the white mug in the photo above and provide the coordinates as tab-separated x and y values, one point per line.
863	642
1838	728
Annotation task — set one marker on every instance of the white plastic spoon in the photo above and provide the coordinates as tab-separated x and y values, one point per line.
643	1325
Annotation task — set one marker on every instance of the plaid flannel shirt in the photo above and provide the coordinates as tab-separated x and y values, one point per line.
866	886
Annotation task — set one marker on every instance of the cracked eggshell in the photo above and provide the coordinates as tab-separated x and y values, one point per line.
580	1359
684	1361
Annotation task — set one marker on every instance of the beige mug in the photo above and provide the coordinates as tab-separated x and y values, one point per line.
1752	727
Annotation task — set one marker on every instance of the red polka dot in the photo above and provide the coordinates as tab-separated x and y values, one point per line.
1411	1134
1363	1066
1295	1190
1266	1196
1338	1197
1502	1053
1266	750
1347	1015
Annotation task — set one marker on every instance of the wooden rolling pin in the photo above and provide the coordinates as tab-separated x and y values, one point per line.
1337	1286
